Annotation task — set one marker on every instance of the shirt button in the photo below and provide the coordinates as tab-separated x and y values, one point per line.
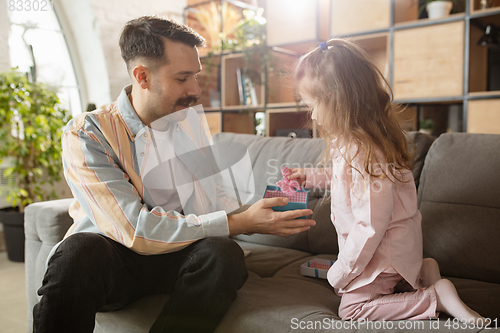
142	154
145	135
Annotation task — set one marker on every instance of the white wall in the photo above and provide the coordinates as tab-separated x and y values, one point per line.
92	29
112	15
4	39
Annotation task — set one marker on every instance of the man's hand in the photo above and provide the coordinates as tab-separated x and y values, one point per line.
260	218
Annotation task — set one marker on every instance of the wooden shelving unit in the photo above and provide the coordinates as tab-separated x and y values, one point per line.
435	66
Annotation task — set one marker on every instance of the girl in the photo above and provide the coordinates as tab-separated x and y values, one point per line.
373	196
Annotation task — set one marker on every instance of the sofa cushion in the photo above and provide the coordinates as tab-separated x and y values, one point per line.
266	260
135	318
277	305
458	199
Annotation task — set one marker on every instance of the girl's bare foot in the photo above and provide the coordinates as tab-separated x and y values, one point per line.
450	303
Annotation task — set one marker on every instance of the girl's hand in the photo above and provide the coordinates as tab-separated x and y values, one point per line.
299	174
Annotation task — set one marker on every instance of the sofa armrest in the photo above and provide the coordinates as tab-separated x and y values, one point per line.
45	224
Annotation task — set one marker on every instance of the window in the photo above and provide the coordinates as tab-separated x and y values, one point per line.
41	32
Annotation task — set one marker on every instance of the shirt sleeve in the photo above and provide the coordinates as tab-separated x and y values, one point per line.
113	204
372	207
318	178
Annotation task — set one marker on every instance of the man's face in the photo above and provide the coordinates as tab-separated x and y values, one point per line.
174	85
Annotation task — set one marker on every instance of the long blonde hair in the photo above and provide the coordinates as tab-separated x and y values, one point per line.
354	101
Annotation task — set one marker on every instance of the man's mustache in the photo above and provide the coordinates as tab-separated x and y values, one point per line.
186	100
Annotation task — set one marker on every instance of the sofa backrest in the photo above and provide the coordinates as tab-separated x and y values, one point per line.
459	198
269	154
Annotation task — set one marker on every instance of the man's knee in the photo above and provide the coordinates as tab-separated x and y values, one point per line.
226	255
82	249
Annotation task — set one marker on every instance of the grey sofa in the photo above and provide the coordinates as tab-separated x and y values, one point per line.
458	196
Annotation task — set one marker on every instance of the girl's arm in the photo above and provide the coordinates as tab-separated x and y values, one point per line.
372	207
312	177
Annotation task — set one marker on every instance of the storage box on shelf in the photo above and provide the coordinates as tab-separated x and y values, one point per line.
483	116
429	61
361	16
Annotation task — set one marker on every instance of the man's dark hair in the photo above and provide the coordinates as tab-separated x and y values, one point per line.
143	38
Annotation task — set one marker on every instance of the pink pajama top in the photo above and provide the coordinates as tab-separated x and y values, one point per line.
377	221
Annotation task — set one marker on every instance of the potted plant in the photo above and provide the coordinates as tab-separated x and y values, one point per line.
31	124
426	126
437	8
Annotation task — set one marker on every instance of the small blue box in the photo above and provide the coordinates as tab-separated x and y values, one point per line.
299	200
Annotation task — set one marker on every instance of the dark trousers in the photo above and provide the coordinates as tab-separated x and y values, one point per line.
90	273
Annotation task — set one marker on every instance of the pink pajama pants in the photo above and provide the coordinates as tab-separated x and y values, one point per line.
377	301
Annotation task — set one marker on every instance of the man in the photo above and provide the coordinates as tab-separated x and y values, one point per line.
122	246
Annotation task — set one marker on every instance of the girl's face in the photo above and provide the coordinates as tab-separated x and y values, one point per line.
309	100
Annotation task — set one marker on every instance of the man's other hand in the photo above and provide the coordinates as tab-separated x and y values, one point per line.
260	218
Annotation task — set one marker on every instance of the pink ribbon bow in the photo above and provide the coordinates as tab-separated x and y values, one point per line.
287	185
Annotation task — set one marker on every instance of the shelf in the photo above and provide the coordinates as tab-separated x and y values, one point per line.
429	61
423	58
300	47
433	100
281	121
484	94
284	105
426	21
475	6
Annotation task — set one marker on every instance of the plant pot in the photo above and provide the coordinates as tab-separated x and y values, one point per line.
13	227
426	131
439	9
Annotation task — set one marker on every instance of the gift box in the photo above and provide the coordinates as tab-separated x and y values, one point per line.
316	267
298	200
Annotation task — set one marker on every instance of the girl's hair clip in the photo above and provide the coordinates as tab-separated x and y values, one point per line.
323	46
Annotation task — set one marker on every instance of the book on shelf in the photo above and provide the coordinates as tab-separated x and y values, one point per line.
246	89
240	86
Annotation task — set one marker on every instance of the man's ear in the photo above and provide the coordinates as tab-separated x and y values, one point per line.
142	76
